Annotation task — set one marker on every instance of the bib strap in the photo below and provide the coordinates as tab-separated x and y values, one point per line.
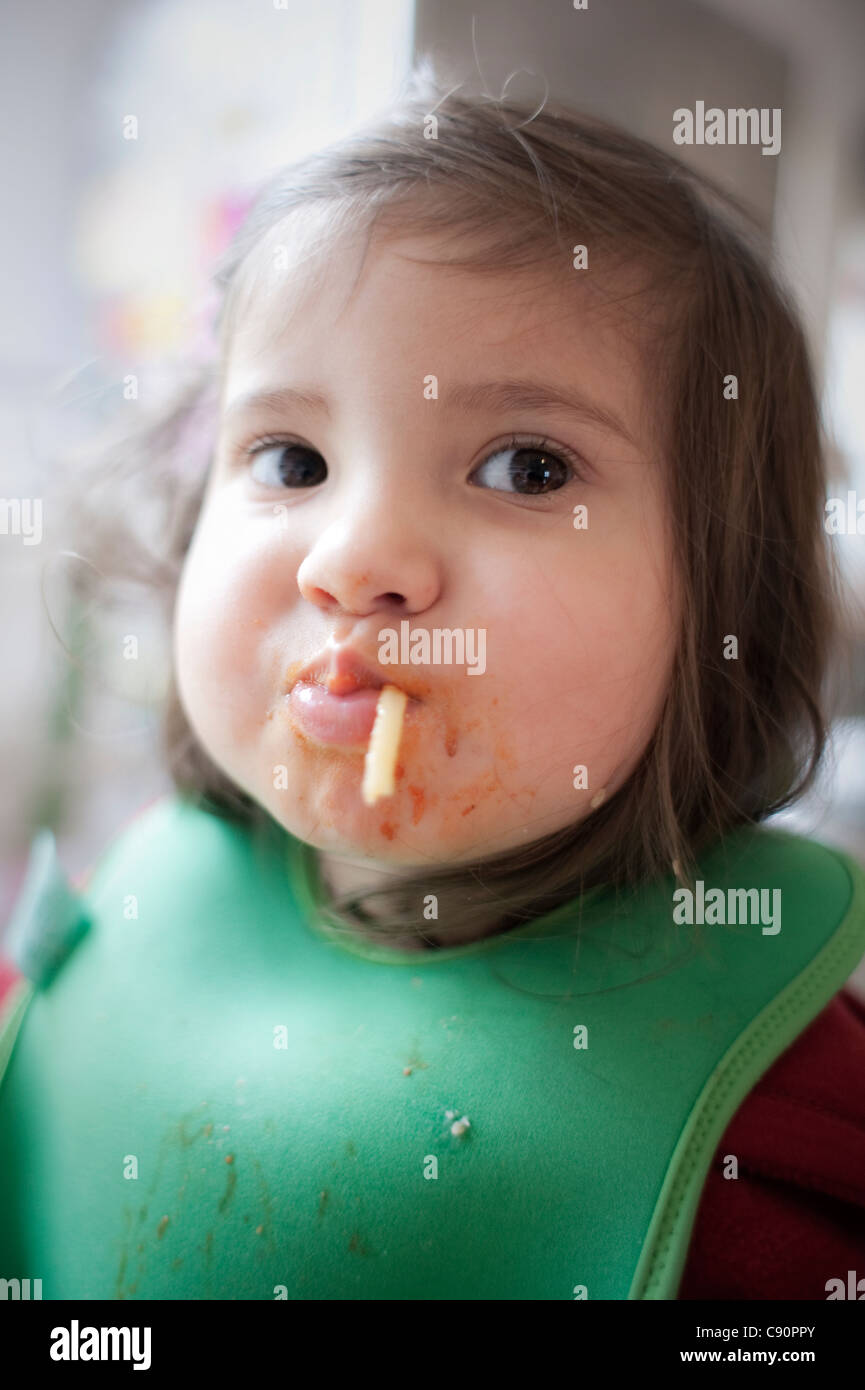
48	921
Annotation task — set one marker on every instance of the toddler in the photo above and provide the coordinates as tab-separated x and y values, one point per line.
508	423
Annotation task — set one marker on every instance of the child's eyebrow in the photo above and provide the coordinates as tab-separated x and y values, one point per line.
531	395
278	402
477	396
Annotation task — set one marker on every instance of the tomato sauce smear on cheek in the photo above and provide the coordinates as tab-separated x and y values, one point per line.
424	773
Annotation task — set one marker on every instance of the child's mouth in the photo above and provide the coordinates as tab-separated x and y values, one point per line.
332	718
333	698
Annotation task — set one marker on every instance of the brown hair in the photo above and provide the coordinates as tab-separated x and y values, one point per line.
736	739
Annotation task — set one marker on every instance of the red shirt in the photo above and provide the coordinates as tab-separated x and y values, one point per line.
795	1215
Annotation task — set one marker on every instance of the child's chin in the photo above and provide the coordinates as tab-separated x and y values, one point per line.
382	831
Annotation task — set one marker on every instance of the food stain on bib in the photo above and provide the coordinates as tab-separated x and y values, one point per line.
358	1246
265	1227
230	1185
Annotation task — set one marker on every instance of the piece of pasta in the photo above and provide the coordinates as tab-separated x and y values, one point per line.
381	754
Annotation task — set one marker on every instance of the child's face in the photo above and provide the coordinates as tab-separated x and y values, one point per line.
422	511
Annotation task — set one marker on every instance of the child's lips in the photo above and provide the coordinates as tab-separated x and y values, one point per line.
341	670
338	720
348	684
333	718
333	698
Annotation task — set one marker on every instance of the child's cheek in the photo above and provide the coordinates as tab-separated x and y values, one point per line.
235	593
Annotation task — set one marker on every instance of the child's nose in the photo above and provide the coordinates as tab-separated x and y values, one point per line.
353	570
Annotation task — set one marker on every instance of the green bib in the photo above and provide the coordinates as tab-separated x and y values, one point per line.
211	1097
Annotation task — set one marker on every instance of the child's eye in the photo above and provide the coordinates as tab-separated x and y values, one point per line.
284	463
526	466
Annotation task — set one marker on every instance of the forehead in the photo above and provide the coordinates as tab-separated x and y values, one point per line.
385	312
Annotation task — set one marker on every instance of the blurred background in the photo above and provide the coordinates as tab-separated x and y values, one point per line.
135	133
